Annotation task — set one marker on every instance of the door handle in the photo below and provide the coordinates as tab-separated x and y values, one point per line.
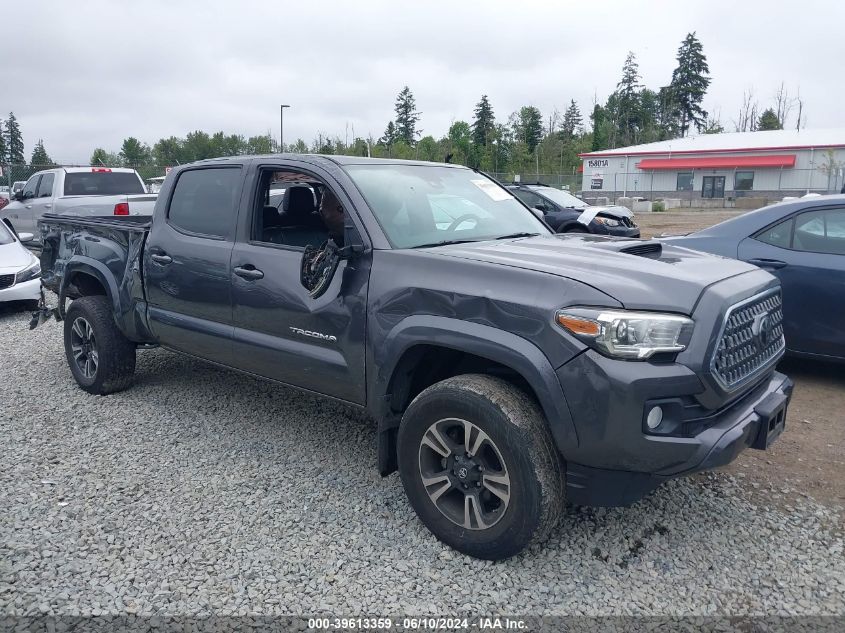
48	206
28	206
248	272
767	263
161	259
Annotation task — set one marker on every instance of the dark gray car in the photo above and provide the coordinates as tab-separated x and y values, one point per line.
802	243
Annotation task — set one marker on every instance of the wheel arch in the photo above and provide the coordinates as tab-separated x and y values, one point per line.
422	350
86	277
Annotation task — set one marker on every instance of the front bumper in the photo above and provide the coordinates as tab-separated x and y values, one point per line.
617	462
616	231
25	291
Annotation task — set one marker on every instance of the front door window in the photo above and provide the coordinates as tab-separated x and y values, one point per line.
713	187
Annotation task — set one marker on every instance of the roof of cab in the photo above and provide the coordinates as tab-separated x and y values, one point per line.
327	158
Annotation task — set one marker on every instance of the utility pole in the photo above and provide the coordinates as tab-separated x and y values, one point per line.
282	136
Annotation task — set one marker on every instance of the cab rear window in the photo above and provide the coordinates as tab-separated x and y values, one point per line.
102	184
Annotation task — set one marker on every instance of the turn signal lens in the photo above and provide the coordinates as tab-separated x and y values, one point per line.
577	325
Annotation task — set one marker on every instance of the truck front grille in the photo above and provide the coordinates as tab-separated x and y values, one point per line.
6	281
751	340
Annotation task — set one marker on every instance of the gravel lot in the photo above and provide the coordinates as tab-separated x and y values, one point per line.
201	491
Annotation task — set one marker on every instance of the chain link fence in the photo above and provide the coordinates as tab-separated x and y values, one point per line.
559	181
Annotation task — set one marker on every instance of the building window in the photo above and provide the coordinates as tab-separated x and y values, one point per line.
743	181
684	181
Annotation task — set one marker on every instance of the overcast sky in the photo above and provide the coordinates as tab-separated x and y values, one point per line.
87	74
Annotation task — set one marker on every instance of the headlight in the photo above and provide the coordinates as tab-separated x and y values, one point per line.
33	271
624	334
607	221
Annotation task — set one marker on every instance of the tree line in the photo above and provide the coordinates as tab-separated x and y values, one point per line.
526	142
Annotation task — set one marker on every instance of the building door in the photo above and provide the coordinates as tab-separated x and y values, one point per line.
713	187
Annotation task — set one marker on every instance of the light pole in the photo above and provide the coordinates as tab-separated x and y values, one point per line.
282	136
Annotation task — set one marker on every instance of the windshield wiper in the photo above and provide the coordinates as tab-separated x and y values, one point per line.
515	235
444	243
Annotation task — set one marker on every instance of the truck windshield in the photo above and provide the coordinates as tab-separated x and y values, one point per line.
102	183
418	205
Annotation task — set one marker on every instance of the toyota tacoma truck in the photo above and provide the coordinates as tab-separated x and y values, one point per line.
507	368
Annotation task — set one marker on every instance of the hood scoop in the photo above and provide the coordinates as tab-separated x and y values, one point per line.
652	250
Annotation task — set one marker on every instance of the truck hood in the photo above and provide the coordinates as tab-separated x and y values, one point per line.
651	277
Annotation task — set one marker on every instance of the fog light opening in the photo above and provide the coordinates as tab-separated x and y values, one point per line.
655	417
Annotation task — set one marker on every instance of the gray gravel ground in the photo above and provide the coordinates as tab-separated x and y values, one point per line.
201	491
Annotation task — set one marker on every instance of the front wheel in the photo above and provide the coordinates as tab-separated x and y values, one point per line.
479	466
101	359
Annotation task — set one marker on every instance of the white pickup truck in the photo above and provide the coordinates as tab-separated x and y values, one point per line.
78	191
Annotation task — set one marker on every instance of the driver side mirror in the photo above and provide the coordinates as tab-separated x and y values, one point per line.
26	237
538	212
19	195
318	265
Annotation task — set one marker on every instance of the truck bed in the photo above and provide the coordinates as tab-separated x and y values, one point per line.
104	251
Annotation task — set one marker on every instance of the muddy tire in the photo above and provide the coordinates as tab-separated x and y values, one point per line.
479	466
101	359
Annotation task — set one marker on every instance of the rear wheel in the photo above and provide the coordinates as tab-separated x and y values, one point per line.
101	359
479	466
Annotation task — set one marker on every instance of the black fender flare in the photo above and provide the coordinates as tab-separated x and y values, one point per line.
95	269
500	346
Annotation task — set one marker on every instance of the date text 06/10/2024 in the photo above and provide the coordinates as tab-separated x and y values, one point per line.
416	624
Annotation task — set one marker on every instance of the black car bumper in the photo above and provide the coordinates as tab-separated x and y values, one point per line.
619	460
622	231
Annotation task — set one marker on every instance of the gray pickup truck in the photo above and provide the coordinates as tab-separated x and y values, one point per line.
507	368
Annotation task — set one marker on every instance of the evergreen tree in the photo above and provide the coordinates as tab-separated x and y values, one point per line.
600	137
572	120
667	113
406	116
529	127
690	81
769	121
14	141
648	128
39	155
628	101
390	135
484	123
